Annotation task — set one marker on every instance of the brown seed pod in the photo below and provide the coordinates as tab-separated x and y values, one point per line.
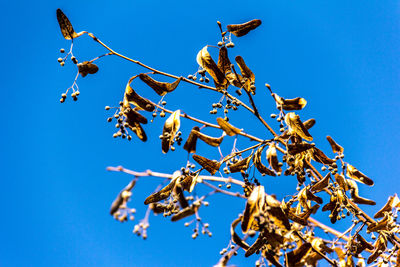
235	237
120	199
171	126
342	182
228	128
355	174
297	103
205	60
242	29
241	165
393	201
321	184
336	148
132	97
275	213
133	116
186	212
296	148
190	145
254	206
210	165
272	158
259	165
66	27
87	67
383	225
161	88
362	244
296	126
294	257
165	192
136	128
212	141
354	194
319	156
224	65
260	241
380	246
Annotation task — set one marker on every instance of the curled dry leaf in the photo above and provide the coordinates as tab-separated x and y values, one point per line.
321	184
392	202
308	124
190	144
362	244
336	148
294	257
224	65
296	148
122	197
319	156
132	97
241	165
235	237
242	29
246	73
66	27
212	141
212	166
380	246
171	126
272	158
385	224
259	165
161	88
355	174
276	214
297	103
87	67
354	194
296	126
205	60
133	116
186	212
342	182
228	128
164	192
254	206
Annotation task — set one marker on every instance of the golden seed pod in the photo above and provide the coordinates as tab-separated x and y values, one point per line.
228	128
393	201
319	156
191	142
264	170
297	103
242	29
336	148
66	27
355	174
209	140
132	97
241	165
87	67
205	60
161	88
211	166
296	126
165	192
254	206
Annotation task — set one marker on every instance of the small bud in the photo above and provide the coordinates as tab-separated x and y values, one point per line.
220	43
62	64
230	45
62	50
74	60
59	60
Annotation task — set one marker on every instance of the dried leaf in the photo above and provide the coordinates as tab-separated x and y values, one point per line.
276	214
235	237
384	224
294	257
242	29
186	212
392	202
134	116
132	97
354	194
296	148
190	145
336	148
66	27
171	126
297	103
246	73
205	60
212	141
321	184
355	174
380	246
136	128
241	165
342	182
87	67
121	198
259	165
254	206
162	194
362	244
272	158
228	128
224	65
296	126
161	88
260	241
319	156
211	166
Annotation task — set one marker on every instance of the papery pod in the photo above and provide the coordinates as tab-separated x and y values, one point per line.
319	156
296	148
302	218
211	166
228	128
260	241
246	72
296	126
297	103
241	165
234	79
272	158
254	206
87	67
186	212
161	88
171	126
178	194
380	246
354	194
342	182
122	197
136	128
235	237
134	116
209	140
362	245
384	224
276	214
185	182
393	201
190	145
295	256
242	29
224	65
321	184
66	27
336	148
158	208
164	192
132	97
205	60
259	165
271	257
308	124
355	174
312	197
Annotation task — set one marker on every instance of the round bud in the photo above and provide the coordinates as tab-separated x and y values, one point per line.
59	60
62	64
220	43
107	108
74	60
64	95
62	100
201	79
62	50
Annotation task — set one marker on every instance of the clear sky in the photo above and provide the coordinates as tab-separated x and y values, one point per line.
342	56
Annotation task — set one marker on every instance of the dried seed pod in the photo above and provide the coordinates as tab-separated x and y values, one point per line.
161	88
186	212
205	60
296	148
362	244
294	257
121	198
260	241
242	29
171	126
321	184
355	174
254	206
241	165
342	182
275	213
384	224
272	158
354	194
87	67
297	103
336	148
212	141
66	27
224	65
212	166
319	156
380	246
392	202
165	192
138	130
296	126
259	165
190	145
134	116
244	69
235	237
228	128
132	97
312	197
309	123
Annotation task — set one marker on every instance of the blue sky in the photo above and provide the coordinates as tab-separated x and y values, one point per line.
341	56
